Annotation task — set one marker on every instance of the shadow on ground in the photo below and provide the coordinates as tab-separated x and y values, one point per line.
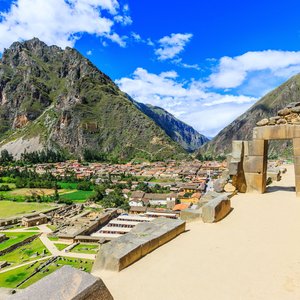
272	189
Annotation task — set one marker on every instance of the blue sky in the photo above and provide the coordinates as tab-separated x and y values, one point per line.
204	61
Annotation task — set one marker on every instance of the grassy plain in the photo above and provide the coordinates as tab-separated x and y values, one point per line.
13	238
10	209
86	248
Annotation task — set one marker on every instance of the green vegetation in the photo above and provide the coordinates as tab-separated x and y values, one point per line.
85	264
14	238
11	279
53	238
86	248
61	246
28	252
77	196
33	228
10	209
52	227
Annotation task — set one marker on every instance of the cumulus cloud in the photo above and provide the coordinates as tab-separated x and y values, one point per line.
206	111
232	72
61	22
171	46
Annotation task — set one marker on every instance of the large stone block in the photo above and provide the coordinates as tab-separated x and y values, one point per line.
256	148
255	164
67	283
216	209
144	238
255	182
190	214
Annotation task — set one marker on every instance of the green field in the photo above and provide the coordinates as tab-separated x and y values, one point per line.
61	246
11	279
13	238
10	209
29	252
77	195
33	228
86	248
53	238
67	185
52	227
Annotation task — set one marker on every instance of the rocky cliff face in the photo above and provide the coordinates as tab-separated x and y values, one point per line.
61	98
178	131
265	108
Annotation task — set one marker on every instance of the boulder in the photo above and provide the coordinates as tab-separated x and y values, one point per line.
283	112
216	209
296	109
281	121
66	283
229	188
190	214
219	185
263	122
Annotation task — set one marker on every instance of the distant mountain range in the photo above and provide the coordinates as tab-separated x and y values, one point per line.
268	106
57	99
178	131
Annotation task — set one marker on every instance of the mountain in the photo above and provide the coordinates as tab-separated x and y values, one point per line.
57	99
178	131
268	106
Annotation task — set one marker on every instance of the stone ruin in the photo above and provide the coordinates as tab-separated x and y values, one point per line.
248	161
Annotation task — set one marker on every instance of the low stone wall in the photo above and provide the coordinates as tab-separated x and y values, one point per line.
144	238
17	245
216	209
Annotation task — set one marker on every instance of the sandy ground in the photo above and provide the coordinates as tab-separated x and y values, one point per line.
254	253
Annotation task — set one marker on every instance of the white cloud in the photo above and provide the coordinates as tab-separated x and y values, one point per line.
232	72
171	46
180	63
89	52
207	112
59	22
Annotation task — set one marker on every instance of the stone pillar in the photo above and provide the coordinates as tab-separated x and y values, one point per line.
255	165
296	146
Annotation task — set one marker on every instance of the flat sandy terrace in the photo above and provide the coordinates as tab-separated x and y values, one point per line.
254	253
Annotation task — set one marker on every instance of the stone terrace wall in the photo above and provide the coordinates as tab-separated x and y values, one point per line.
17	245
144	238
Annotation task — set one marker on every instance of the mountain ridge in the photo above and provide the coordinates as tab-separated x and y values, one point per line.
60	97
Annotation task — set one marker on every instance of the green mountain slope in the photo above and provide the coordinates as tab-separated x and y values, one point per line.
54	98
178	131
268	106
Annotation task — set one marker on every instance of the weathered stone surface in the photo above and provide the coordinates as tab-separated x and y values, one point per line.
256	147
263	122
255	182
190	214
283	112
254	164
295	109
219	185
67	283
216	209
281	122
229	188
280	132
144	238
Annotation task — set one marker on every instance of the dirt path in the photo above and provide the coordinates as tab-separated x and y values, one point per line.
254	253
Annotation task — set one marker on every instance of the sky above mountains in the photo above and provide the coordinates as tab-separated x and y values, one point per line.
204	61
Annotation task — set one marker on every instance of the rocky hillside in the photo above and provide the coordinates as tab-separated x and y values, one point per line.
178	131
266	107
54	98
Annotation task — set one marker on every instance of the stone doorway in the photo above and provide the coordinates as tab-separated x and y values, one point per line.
248	161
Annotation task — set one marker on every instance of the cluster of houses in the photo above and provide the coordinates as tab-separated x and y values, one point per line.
173	170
